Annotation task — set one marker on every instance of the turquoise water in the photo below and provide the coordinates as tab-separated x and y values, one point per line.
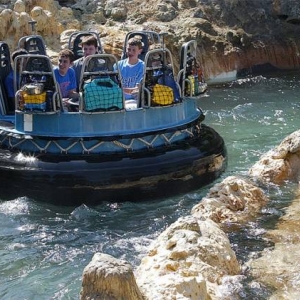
44	248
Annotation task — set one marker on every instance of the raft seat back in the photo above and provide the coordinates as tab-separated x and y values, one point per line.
190	75
187	56
37	69
147	37
5	68
100	84
75	41
5	62
38	64
159	85
34	44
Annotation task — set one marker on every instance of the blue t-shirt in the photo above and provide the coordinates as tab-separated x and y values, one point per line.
131	74
66	82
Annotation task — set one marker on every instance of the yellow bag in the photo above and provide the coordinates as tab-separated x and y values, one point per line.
162	95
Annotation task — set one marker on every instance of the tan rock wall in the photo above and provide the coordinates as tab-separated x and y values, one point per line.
190	253
231	35
51	21
281	163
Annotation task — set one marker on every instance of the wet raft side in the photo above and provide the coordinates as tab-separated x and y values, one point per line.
133	177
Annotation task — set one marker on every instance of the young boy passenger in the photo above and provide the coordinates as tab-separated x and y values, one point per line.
89	46
131	68
65	75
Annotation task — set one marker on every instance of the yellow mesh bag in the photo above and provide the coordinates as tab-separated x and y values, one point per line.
34	102
37	99
162	95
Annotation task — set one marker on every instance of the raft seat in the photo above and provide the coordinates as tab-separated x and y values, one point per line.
76	38
145	41
190	76
100	85
5	68
37	70
38	64
158	84
148	38
34	44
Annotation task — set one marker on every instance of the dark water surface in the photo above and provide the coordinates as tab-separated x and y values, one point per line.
44	248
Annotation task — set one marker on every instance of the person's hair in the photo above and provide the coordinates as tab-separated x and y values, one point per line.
89	40
136	41
67	53
18	52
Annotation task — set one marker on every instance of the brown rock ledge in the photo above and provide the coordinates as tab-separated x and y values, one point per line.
234	37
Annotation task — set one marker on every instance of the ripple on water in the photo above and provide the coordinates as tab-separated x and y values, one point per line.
15	207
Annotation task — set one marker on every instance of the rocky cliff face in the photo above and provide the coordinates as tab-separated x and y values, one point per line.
232	35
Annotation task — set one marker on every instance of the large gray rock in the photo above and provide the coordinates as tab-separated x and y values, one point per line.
235	199
281	163
187	261
278	266
108	278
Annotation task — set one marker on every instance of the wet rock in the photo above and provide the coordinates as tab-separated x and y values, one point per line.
278	267
193	258
189	258
108	278
281	163
235	199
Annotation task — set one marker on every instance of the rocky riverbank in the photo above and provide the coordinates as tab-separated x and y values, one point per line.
193	259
